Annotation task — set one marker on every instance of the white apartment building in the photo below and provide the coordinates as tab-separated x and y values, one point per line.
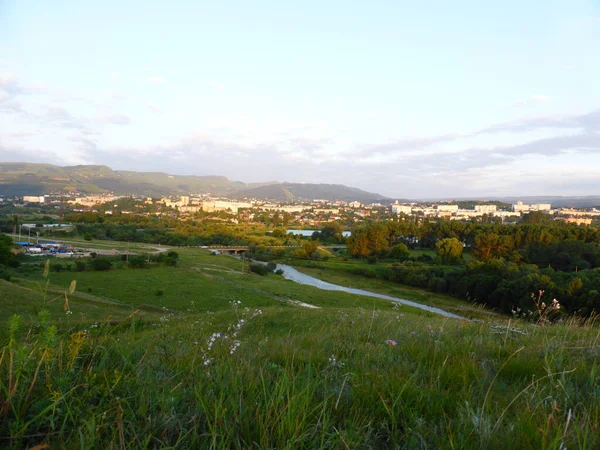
222	205
541	207
34	199
485	209
520	207
404	209
448	208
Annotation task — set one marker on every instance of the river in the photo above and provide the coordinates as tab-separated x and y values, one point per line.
289	273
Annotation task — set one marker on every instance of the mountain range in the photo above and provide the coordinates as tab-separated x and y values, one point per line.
18	179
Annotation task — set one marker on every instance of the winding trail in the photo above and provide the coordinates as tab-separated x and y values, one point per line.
290	273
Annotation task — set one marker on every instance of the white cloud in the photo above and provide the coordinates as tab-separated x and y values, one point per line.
540	98
217	85
156	79
152	107
115	119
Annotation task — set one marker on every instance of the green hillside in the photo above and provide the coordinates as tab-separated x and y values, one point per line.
308	191
208	355
37	179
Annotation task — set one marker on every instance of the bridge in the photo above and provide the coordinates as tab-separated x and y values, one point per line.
235	249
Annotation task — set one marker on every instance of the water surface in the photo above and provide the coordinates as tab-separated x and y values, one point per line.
292	274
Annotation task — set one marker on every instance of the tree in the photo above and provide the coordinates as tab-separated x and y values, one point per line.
449	250
370	239
492	245
7	258
400	251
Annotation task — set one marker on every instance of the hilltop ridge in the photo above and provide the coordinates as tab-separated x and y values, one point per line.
39	179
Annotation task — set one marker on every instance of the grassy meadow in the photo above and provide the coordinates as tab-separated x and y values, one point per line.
207	355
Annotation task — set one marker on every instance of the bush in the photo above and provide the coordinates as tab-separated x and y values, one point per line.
399	251
279	271
271	266
80	266
259	269
100	264
169	258
57	267
363	272
138	262
159	292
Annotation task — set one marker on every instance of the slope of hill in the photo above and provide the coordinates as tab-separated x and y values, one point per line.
301	191
38	179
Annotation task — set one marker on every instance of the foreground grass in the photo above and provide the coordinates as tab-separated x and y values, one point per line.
300	378
208	372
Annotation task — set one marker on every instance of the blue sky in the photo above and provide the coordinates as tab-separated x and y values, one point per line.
408	99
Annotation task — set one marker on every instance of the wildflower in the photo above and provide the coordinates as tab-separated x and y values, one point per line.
391	342
234	347
543	305
68	312
334	362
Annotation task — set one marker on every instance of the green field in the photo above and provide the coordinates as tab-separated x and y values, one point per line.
166	357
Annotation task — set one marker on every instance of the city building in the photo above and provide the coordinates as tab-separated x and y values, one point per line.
34	199
485	209
401	209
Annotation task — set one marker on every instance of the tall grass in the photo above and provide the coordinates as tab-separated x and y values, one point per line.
299	378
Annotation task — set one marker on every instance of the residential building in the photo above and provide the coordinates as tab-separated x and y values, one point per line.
447	208
34	199
485	209
401	209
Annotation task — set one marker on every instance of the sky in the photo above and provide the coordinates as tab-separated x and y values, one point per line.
404	98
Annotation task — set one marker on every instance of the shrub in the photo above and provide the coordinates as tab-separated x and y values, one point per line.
100	264
363	272
259	269
169	258
138	262
399	251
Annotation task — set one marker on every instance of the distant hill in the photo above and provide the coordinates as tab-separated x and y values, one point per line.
38	179
307	191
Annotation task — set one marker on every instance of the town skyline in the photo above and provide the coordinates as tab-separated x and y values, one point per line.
426	101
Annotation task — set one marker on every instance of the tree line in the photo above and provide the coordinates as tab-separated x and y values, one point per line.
511	262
